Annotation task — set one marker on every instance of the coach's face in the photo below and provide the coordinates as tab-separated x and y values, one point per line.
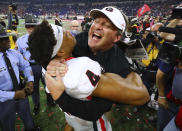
102	34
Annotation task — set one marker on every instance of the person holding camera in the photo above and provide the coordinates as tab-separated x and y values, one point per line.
12	17
169	57
13	99
171	53
12	24
86	23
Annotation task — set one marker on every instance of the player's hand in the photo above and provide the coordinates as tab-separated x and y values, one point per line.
20	94
163	102
54	84
57	65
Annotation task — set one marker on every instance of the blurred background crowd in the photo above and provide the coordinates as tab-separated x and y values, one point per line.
70	8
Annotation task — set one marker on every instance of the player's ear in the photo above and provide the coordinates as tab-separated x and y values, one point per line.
60	53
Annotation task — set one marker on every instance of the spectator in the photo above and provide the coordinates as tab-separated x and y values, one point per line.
2	22
74	27
169	107
58	20
12	17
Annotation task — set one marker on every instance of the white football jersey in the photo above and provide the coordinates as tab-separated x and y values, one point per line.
82	77
80	81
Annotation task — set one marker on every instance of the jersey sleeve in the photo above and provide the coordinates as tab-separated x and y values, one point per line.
82	77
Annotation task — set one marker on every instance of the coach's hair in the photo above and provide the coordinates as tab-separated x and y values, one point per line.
41	42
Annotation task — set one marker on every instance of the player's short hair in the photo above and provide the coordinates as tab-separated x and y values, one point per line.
41	42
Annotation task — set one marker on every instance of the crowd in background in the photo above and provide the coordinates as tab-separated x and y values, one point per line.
130	9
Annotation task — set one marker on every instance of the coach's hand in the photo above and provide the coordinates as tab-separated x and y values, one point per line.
57	65
54	84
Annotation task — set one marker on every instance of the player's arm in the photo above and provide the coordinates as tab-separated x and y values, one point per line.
170	36
88	110
130	90
162	76
160	82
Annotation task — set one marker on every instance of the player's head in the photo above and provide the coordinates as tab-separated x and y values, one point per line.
48	41
107	28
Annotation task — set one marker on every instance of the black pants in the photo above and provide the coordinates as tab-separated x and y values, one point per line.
8	110
37	73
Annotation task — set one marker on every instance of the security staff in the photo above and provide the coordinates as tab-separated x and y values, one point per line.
22	43
13	99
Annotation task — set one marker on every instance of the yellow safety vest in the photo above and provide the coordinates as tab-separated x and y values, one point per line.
12	42
152	52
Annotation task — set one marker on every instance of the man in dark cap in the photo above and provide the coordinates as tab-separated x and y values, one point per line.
22	44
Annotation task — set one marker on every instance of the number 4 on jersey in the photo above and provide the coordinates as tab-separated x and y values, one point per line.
93	77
